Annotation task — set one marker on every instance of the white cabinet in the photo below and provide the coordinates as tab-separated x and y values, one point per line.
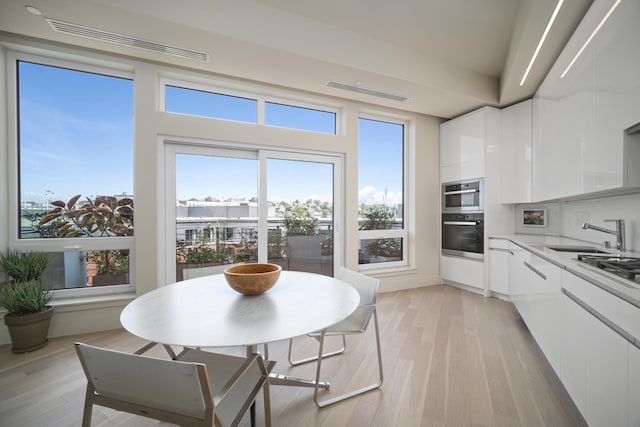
499	266
516	152
463	142
616	98
573	358
543	293
597	362
634	385
517	278
462	271
580	116
606	379
587	334
535	289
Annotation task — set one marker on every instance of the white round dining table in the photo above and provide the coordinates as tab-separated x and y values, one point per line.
206	312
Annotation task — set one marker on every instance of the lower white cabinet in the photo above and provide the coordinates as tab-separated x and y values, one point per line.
606	376
544	292
587	334
499	266
535	289
634	385
463	271
517	281
573	358
595	367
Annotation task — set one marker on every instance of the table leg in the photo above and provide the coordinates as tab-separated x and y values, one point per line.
279	379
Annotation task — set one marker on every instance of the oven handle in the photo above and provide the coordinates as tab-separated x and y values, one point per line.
460	223
447	193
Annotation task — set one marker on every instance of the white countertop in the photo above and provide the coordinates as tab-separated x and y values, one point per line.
536	244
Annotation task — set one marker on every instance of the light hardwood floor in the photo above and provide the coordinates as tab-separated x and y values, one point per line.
451	358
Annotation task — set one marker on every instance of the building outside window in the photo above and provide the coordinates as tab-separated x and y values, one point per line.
72	172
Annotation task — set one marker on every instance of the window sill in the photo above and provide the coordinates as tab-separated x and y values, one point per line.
89	302
388	271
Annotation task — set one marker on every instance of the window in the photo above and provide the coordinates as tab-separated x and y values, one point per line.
226	104
293	117
381	177
74	171
208	104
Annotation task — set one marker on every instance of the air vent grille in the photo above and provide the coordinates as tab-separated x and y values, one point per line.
125	40
362	90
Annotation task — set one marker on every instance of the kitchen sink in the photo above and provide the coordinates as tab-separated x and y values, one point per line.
579	249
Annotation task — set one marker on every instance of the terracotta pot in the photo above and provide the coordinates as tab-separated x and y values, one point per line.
29	332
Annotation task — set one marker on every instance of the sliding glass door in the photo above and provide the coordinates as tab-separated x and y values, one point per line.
228	206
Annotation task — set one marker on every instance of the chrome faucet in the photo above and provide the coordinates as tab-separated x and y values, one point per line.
618	232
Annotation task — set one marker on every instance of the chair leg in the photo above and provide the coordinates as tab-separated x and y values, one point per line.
88	406
377	384
267	403
314	358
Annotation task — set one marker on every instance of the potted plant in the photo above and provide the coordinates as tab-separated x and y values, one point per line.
26	299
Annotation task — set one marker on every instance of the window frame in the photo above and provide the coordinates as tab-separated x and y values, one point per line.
57	244
407	216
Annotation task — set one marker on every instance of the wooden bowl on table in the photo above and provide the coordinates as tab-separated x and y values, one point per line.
252	278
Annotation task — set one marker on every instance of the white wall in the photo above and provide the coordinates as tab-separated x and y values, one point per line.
595	211
566	218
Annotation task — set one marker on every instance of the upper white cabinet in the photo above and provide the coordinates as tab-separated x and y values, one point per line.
463	142
580	115
516	151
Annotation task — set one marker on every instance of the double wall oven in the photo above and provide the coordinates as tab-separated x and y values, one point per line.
463	219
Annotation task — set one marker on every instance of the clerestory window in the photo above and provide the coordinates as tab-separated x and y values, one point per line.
194	99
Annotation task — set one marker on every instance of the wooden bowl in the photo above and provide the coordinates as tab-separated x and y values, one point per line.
252	279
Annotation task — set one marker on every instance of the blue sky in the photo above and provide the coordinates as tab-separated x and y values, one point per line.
76	131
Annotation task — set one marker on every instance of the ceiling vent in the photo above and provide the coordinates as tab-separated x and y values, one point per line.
360	89
124	40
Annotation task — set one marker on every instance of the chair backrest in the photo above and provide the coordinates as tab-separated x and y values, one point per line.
367	287
162	384
192	273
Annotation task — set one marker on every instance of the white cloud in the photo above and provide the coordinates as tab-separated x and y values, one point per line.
370	195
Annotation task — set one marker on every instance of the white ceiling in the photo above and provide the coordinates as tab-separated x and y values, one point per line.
446	56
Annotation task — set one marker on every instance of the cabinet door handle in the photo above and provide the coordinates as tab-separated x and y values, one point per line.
499	250
535	270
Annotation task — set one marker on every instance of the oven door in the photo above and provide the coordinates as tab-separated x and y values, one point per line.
463	235
463	196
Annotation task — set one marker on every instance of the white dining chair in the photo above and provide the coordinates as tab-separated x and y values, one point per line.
197	389
356	323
